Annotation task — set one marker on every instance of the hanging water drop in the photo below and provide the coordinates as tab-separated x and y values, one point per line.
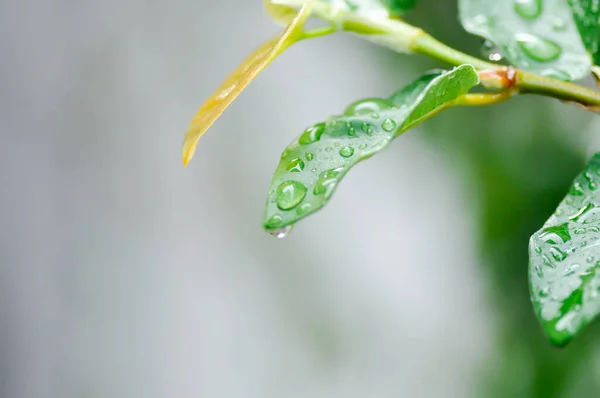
280	233
490	51
309	156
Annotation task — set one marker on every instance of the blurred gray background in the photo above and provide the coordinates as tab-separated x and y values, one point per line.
124	274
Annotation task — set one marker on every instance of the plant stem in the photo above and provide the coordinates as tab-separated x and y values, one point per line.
425	44
402	37
525	82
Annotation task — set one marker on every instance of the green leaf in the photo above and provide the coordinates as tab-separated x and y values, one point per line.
586	14
314	164
564	260
399	7
534	35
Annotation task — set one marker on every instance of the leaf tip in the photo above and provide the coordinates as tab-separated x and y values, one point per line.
189	148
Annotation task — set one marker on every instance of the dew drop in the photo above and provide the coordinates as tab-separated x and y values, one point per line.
538	271
590	259
558	254
367	106
347	151
577	190
362	146
309	156
559	24
274	222
303	209
571	269
290	194
312	134
327	181
528	9
538	250
388	125
537	48
295	165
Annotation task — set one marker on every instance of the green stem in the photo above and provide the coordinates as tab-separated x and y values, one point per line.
426	45
402	37
530	83
524	83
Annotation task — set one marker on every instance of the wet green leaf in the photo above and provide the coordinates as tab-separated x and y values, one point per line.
314	164
534	35
564	260
587	18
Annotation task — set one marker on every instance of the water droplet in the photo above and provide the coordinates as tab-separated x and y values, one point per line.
558	254
274	222
559	24
545	292
309	156
528	9
347	151
367	106
280	233
538	271
284	154
374	115
590	259
388	125
351	131
327	181
538	250
547	262
312	134
593	229
290	194
570	270
580	231
577	189
490	51
537	48
362	146
295	165
303	209
581	213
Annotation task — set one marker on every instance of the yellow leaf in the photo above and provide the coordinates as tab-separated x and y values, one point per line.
280	13
238	80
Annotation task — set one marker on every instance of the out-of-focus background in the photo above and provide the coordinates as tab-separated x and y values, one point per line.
123	274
